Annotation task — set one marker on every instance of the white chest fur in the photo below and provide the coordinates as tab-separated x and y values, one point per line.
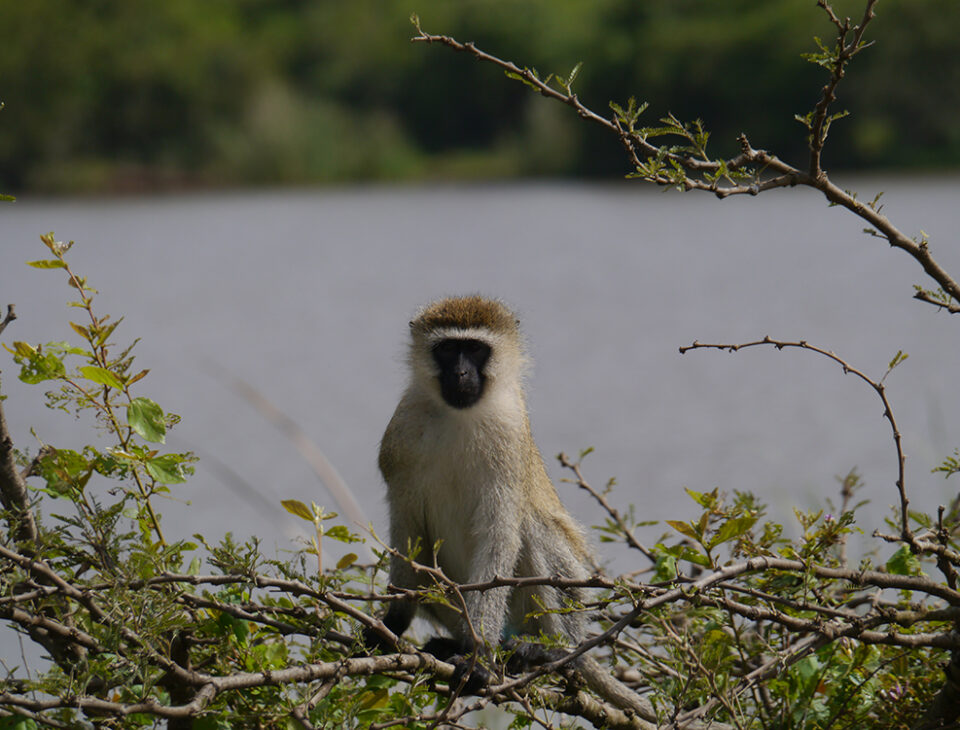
462	465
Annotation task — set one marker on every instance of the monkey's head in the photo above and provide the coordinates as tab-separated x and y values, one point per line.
465	347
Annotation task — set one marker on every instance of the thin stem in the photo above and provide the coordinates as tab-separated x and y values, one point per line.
878	387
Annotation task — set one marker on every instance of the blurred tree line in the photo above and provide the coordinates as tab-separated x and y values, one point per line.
120	94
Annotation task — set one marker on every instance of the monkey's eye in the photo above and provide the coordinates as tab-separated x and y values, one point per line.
473	348
446	347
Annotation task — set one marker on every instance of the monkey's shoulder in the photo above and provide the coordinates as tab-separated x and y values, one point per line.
390	455
424	441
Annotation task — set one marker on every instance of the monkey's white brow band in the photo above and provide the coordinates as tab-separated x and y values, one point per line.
461	333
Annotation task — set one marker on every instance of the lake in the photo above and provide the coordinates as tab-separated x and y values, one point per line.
306	294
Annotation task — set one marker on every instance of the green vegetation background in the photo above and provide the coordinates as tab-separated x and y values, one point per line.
120	94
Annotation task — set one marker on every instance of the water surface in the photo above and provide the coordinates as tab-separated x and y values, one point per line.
306	295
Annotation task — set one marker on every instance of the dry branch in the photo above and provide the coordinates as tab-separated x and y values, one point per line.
767	170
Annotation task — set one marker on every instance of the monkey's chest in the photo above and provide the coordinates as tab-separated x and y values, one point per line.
457	498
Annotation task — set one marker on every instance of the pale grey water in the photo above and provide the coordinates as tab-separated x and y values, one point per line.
306	295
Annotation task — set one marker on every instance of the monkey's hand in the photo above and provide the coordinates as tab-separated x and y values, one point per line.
372	640
468	674
524	655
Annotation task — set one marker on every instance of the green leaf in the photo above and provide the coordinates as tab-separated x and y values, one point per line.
341	533
47	264
101	375
520	722
22	349
64	471
706	500
684	528
950	465
145	417
689	554
105	331
210	722
523	79
665	568
298	508
808	669
57	247
166	469
897	359
346	561
17	722
732	528
241	630
39	366
377	698
903	562
701	527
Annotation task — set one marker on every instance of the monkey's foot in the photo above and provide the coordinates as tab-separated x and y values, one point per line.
525	655
468	675
373	641
467	670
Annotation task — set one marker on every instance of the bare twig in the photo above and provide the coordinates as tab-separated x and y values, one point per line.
927	297
699	173
11	315
846	50
877	385
615	515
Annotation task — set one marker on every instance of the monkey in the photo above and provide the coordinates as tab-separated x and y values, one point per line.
464	476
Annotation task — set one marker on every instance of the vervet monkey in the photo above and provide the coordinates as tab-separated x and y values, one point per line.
463	471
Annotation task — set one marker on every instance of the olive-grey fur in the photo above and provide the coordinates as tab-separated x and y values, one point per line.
474	480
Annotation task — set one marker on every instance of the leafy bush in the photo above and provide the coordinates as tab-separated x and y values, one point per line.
733	625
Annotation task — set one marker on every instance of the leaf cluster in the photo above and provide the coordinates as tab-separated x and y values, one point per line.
739	624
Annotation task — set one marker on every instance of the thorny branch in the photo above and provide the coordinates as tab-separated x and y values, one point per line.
13	488
77	618
877	385
707	590
846	50
694	170
944	709
10	316
612	511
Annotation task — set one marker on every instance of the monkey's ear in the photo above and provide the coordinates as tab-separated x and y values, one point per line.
410	324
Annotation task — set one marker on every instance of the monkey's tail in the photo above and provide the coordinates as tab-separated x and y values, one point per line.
617	693
621	696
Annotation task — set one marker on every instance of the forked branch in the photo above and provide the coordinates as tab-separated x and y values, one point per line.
906	533
688	167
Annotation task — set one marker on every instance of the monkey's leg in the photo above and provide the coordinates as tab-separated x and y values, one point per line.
397	619
525	654
456	652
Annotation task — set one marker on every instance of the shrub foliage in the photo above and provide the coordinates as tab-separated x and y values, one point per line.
725	623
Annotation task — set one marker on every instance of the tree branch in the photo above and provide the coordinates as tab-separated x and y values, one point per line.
13	489
697	172
11	315
877	385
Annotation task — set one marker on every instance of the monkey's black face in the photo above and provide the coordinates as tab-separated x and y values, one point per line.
461	364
